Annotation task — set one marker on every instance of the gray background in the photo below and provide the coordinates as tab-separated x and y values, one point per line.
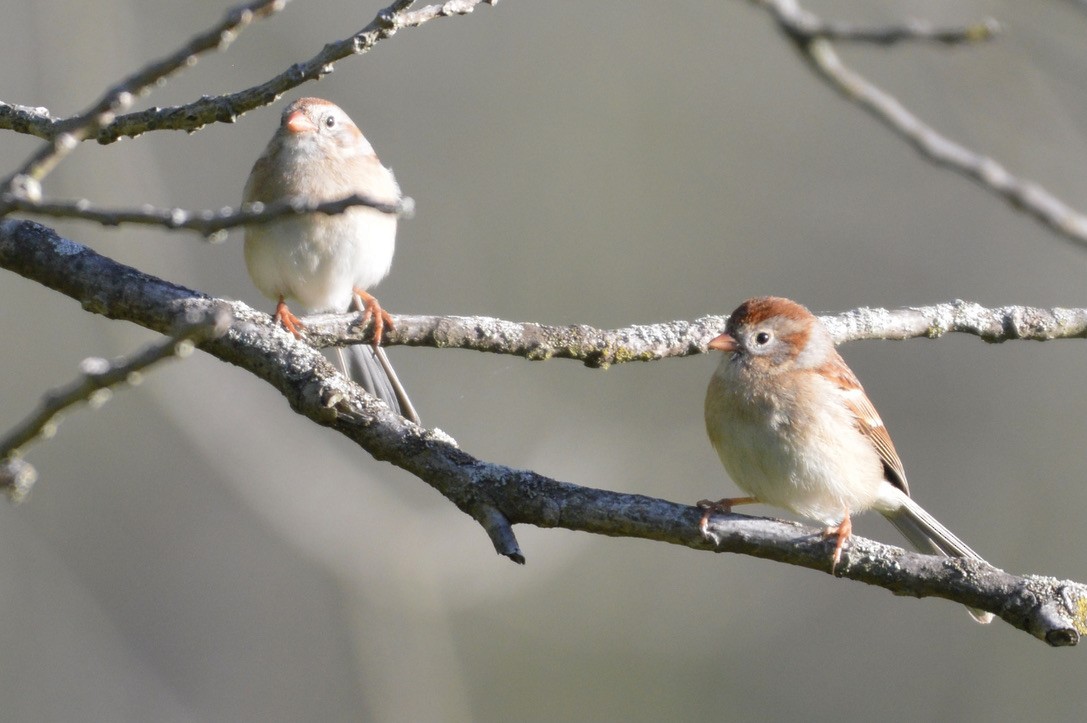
194	551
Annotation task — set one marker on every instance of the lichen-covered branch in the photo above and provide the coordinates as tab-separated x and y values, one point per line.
993	325
498	496
594	347
600	348
813	38
28	120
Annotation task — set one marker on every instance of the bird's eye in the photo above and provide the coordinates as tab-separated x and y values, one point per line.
330	121
763	337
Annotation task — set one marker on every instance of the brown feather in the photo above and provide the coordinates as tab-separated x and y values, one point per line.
867	420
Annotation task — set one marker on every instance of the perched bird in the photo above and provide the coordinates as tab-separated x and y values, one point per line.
327	262
794	429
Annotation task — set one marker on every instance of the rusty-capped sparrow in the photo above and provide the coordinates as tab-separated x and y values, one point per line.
794	429
327	262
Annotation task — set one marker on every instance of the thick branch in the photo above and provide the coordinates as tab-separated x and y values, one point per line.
498	496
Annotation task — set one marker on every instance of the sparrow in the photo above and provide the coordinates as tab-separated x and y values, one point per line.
795	429
326	262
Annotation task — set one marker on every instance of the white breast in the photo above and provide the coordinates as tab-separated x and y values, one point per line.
805	457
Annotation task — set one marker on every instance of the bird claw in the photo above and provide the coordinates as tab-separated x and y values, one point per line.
371	309
289	321
722	506
708	507
840	533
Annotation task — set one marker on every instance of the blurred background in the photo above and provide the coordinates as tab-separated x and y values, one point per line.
194	551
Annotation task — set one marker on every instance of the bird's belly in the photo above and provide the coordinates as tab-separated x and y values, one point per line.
321	268
810	481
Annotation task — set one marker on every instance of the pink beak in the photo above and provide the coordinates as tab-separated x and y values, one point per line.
297	122
723	343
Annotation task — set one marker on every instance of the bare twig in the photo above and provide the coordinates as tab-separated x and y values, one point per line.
227	108
498	496
98	378
26	182
210	224
814	42
804	26
416	18
22	190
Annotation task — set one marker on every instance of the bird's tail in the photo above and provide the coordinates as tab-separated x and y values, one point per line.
927	535
370	368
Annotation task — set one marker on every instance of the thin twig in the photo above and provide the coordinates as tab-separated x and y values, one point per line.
210	224
804	26
425	14
227	108
98	378
26	182
23	189
814	42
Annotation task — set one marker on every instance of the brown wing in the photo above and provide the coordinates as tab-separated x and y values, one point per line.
869	423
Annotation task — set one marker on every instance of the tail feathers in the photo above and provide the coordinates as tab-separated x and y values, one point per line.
927	535
370	368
